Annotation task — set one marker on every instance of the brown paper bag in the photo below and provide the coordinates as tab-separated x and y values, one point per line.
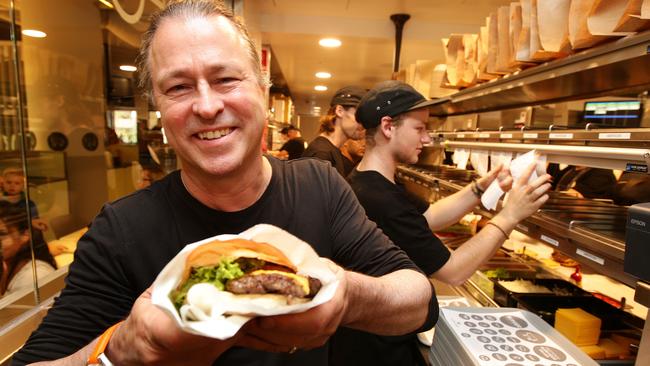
455	59
470	59
579	34
616	17
553	25
482	54
493	44
537	51
645	9
503	45
423	76
523	44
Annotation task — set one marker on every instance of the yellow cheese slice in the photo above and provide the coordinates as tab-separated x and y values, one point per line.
302	281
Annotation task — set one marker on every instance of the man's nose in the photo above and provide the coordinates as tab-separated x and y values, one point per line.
208	102
425	137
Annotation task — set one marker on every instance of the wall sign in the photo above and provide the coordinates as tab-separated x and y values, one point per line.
57	141
90	141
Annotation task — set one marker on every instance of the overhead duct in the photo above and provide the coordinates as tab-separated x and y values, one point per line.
399	20
120	29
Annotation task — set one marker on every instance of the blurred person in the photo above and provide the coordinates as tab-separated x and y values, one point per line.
353	151
336	127
13	186
150	174
203	73
295	144
16	251
395	115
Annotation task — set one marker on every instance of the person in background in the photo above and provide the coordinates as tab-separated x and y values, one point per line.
395	115
13	186
353	151
337	126
202	72
295	144
16	251
150	174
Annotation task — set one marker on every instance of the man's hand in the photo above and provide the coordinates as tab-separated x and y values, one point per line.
500	173
306	330
39	224
525	198
151	337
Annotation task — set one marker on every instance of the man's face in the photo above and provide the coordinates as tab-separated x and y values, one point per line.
211	104
409	137
13	184
349	125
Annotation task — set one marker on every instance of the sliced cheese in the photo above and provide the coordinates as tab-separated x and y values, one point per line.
580	327
302	281
594	352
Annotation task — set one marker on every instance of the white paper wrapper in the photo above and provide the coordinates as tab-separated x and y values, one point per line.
479	159
216	325
491	197
460	158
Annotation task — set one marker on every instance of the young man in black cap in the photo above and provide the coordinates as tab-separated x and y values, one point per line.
394	115
337	127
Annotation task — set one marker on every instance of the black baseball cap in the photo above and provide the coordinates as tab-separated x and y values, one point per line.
348	96
388	98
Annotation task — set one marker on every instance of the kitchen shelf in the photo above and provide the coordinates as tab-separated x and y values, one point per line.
596	249
619	66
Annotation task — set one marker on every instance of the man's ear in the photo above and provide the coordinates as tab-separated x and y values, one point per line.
386	127
339	110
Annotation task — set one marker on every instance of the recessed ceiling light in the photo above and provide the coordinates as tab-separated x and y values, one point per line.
323	75
329	42
320	88
34	33
129	68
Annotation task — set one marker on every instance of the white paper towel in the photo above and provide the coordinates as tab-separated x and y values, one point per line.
479	159
216	325
460	158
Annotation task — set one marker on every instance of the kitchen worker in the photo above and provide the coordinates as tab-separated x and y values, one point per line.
336	127
203	74
395	115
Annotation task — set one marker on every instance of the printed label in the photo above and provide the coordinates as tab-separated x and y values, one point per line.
506	135
560	135
614	136
550	240
530	135
590	256
484	135
461	135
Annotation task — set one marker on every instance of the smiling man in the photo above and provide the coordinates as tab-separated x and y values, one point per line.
203	74
395	116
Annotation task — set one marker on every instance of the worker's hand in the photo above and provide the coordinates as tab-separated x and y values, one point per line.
306	330
525	198
501	173
151	337
39	224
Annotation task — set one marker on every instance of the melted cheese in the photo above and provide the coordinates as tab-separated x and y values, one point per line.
300	280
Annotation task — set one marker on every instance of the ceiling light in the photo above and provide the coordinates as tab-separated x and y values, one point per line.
329	42
34	33
129	68
106	3
320	88
323	75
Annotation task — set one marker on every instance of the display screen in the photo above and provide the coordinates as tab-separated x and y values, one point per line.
623	113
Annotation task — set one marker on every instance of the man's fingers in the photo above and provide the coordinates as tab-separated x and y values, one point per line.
523	179
539	191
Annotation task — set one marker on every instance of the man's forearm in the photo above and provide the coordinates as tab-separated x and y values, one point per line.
450	209
394	304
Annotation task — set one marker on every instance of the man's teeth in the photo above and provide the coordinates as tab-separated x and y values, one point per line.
210	135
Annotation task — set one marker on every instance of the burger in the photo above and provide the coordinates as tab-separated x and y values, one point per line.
247	268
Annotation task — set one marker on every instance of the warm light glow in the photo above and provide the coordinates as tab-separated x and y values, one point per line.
129	68
440	67
323	75
329	42
320	88
107	3
34	33
158	114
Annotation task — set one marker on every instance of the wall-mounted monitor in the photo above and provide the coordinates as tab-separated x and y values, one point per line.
619	113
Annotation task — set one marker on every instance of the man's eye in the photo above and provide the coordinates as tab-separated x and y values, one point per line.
177	88
227	80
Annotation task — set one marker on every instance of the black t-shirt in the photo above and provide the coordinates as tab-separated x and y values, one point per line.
400	216
323	149
132	239
295	147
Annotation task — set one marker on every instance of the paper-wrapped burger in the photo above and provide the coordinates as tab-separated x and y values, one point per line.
214	286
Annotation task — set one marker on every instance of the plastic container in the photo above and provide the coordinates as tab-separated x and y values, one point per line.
557	287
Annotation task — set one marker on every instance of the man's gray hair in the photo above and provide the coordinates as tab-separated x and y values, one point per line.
189	9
